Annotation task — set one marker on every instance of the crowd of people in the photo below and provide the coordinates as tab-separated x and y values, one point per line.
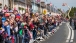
21	28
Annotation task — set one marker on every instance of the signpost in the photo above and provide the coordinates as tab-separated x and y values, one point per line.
44	11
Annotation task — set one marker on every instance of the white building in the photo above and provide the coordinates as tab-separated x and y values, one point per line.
3	3
20	5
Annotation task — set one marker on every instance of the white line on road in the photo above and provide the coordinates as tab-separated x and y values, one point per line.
72	34
69	35
72	37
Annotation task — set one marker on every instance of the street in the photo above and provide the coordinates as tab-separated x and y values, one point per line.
37	21
63	35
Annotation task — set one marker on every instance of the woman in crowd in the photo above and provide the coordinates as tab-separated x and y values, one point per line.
5	9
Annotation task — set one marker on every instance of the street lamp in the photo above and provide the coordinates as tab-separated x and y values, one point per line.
65	4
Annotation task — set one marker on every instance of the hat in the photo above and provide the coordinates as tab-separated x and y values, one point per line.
18	17
7	14
3	19
12	15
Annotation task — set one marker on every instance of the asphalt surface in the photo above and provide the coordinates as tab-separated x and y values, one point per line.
60	36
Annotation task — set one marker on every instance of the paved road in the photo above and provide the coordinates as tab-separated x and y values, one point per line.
60	36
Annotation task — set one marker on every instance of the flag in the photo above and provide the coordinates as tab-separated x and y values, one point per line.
38	1
50	4
64	4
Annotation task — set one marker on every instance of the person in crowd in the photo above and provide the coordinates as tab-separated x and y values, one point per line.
26	37
7	31
1	30
7	27
12	30
70	21
5	9
41	26
24	27
15	12
36	25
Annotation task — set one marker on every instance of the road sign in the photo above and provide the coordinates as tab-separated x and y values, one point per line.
44	11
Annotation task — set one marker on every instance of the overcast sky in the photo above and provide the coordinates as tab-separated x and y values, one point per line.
58	3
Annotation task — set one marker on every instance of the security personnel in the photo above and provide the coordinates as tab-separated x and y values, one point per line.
74	23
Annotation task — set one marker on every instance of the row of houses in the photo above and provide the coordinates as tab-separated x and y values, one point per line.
21	5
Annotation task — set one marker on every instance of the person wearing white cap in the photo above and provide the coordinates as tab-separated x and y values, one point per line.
12	16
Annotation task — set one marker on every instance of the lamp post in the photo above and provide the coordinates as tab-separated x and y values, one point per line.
64	4
69	11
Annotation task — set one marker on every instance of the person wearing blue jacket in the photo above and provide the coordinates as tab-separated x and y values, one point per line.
7	30
26	36
7	27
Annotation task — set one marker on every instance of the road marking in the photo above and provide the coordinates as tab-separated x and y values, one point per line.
72	37
69	35
72	34
67	40
71	40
